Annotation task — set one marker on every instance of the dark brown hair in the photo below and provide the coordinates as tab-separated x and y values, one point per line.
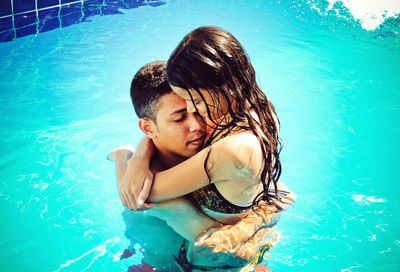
147	87
212	58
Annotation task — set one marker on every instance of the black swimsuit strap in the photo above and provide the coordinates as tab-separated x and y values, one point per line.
234	208
209	197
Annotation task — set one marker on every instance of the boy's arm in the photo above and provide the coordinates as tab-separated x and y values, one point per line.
225	156
183	217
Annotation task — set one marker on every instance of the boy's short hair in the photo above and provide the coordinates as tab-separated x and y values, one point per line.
148	85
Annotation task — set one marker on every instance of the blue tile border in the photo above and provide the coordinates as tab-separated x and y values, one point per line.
23	5
7	36
47	3
6	23
5	8
71	14
26	30
19	18
48	19
25	19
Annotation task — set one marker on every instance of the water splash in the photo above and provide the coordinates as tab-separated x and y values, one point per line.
370	13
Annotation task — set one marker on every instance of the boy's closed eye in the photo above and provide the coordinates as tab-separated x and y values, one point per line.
179	118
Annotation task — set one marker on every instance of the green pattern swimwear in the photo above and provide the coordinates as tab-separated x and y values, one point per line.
209	197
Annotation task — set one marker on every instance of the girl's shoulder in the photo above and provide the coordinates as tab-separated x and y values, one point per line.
242	149
241	138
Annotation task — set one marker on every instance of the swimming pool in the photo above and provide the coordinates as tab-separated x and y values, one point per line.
65	104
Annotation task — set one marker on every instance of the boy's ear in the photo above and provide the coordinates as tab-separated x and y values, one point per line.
148	127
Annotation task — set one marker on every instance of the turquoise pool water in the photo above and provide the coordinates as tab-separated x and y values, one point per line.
65	103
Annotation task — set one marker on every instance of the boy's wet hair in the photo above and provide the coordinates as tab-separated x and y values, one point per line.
148	85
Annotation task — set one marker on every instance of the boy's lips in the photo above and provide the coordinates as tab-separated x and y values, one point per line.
197	141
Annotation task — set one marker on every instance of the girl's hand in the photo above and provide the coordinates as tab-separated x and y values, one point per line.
136	184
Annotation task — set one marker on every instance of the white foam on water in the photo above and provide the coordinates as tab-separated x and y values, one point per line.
387	250
372	237
370	13
349	269
93	255
363	199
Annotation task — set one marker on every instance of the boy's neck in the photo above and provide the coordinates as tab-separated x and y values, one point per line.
162	160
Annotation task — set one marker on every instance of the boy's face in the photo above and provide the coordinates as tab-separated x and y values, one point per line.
216	103
177	131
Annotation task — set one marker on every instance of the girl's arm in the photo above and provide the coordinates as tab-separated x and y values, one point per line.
180	214
135	185
236	157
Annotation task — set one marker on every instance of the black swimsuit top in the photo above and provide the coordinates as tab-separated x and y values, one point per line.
209	197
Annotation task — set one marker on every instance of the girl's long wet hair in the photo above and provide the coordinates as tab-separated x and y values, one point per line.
212	58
